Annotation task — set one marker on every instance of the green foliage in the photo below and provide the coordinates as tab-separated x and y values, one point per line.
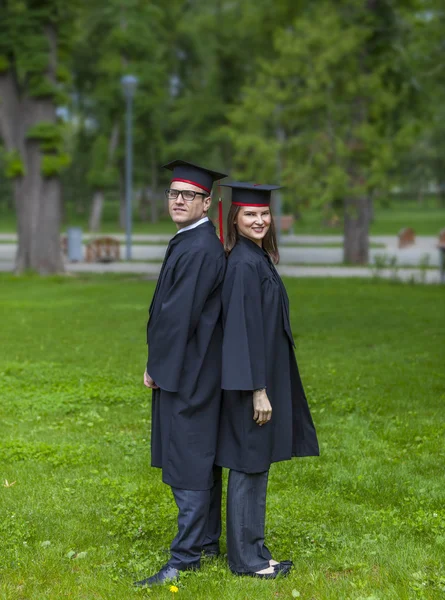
330	98
110	43
54	164
47	134
101	173
50	137
324	106
26	38
13	164
41	87
34	48
4	64
63	74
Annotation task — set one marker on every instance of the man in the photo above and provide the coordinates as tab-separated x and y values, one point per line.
184	337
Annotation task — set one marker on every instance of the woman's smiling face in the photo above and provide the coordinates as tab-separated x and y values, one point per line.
253	222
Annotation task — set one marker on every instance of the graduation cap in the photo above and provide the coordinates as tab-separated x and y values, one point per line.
190	173
250	194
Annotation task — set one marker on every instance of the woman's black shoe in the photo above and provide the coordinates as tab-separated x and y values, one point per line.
288	563
282	569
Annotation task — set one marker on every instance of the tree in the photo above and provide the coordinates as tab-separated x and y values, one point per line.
191	59
215	46
427	155
113	39
34	39
328	107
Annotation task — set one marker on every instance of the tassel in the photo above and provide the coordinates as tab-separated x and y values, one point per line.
221	230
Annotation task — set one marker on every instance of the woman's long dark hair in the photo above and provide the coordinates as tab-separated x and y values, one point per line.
269	241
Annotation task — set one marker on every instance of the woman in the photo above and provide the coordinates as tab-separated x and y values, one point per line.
265	416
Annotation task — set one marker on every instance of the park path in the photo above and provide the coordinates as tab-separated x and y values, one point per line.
424	241
155	247
151	271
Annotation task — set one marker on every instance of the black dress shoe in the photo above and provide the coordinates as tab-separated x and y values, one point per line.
164	575
258	575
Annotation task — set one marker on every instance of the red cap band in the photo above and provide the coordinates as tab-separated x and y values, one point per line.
193	183
249	204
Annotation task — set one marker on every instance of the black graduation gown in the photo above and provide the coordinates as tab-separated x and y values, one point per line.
258	352
184	336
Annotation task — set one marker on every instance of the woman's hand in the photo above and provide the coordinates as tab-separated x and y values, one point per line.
148	382
262	408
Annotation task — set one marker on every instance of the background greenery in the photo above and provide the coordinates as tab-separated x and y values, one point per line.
426	219
83	514
336	100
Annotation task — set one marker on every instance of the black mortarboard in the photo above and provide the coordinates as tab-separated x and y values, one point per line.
189	173
250	194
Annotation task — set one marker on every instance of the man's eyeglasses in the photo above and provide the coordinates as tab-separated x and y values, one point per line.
187	195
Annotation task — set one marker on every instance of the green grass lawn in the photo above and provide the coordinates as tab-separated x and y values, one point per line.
87	515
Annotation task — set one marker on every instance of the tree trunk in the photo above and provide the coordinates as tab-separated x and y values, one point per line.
63	204
97	204
38	218
96	211
356	230
37	198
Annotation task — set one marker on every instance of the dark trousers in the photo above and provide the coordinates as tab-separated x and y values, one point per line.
246	515
199	524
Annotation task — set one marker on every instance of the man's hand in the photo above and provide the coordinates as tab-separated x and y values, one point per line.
262	409
148	382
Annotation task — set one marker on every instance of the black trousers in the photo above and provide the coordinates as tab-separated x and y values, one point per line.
199	524
246	515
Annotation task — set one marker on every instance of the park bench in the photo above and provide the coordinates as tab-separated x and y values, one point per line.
104	249
441	247
407	237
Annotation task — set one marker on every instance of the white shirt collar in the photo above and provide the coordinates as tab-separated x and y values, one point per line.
193	225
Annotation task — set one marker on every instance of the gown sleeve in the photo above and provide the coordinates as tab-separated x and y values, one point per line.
243	363
196	275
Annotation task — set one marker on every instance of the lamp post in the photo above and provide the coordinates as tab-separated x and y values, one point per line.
129	84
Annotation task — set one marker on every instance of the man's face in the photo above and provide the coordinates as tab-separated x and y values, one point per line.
185	212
